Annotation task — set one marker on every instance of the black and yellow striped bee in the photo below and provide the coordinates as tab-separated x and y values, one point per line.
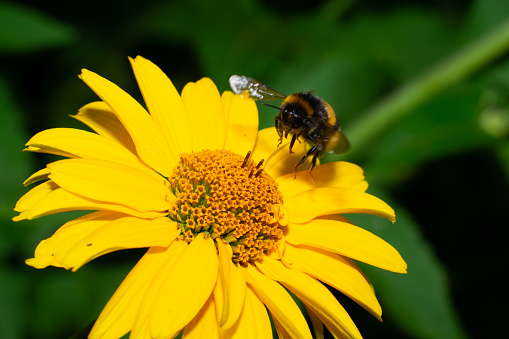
303	115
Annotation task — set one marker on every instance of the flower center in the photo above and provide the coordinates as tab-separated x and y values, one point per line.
230	198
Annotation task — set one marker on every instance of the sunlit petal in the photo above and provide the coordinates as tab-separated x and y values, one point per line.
330	200
32	197
122	310
336	271
164	104
334	174
278	161
241	119
279	302
111	182
348	240
253	322
122	233
37	176
314	295
99	117
188	284
168	259
266	143
150	143
204	324
203	104
58	200
316	322
52	250
83	144
233	284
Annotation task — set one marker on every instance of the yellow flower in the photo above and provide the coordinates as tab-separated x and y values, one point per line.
227	225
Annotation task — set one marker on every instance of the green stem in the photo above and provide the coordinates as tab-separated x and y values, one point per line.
381	117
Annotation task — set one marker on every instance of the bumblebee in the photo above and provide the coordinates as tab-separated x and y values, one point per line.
303	115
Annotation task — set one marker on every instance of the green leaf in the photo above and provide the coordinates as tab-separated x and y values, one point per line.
420	301
502	153
15	164
73	298
446	125
487	14
403	41
84	332
15	168
23	30
12	308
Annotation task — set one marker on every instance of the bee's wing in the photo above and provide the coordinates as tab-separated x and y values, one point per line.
256	90
342	146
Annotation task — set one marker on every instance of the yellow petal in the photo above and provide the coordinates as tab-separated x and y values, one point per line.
219	294
337	217
111	182
335	321
37	176
314	294
266	143
140	332
257	320
123	233
59	200
52	250
279	302
331	200
32	197
241	118
334	174
99	117
164	104
283	162
278	161
37	149
282	333
336	271
204	324
205	111
122	310
348	240
83	144
238	293
156	283
254	322
150	144
316	322
225	281
233	284
186	287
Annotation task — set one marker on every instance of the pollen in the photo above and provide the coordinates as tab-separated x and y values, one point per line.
230	198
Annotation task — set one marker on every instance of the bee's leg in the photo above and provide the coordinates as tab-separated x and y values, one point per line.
319	148
294	137
313	163
312	151
279	130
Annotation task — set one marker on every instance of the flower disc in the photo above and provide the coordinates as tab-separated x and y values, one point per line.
227	196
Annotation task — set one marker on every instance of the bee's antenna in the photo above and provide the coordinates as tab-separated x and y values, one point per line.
270	105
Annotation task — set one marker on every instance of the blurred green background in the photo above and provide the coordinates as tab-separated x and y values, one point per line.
442	161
